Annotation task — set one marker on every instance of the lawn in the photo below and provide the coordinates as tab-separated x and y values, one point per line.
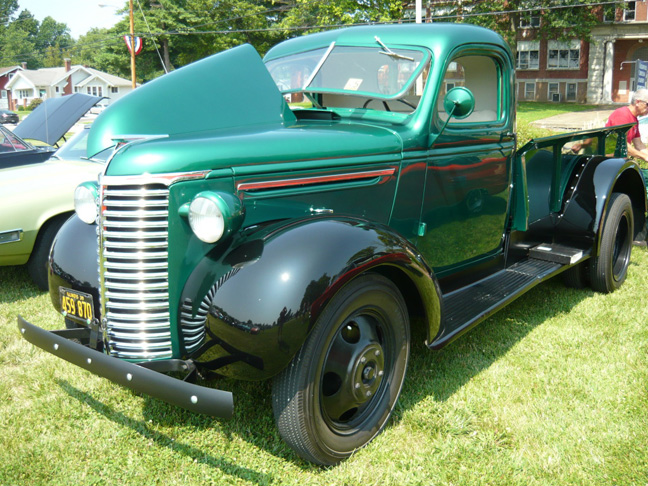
553	390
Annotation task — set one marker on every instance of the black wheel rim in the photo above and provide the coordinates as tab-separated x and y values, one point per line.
622	248
355	372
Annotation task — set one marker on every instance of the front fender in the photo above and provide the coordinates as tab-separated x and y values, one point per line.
592	187
73	261
259	300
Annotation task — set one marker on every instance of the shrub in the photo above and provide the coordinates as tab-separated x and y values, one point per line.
33	104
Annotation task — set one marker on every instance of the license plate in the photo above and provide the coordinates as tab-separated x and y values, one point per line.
76	305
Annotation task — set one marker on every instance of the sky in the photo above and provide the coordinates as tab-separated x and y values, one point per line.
79	15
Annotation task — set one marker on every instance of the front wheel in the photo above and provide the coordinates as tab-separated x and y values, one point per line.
608	270
340	389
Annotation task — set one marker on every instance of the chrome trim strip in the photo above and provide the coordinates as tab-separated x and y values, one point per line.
304	181
166	179
6	235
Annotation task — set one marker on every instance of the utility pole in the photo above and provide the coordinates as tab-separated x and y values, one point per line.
132	43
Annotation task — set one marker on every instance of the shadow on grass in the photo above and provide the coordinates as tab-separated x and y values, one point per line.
198	455
431	374
440	374
16	284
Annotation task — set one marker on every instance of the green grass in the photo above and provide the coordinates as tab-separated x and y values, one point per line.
553	390
528	112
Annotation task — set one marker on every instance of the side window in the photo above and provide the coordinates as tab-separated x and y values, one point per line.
481	75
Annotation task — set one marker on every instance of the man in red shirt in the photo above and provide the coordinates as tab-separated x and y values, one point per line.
628	114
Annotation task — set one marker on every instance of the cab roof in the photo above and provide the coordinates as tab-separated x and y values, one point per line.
437	36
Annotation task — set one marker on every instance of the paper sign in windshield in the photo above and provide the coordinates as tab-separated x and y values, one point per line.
353	84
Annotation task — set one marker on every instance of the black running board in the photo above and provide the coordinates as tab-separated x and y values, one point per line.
466	307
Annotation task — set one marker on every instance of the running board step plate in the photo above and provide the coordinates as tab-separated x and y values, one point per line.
552	252
466	307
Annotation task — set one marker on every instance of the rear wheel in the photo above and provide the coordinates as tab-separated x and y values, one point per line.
608	270
340	389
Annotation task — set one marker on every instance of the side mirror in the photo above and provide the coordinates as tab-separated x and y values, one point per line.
459	102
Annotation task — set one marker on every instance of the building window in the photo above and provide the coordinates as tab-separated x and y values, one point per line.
552	89
95	90
114	89
529	21
25	93
564	55
529	91
57	89
3	94
528	55
571	91
629	12
77	89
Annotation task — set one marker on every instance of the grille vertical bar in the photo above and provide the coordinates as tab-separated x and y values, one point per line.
134	270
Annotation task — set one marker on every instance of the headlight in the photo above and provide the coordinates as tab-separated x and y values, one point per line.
85	202
212	215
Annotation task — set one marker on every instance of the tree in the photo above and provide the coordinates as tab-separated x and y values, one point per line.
53	41
562	20
316	15
17	47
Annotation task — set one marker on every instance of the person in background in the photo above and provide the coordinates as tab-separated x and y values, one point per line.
637	107
627	114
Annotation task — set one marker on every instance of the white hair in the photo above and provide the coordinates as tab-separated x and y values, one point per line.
639	95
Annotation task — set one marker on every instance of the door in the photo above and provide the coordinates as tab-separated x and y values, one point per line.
468	169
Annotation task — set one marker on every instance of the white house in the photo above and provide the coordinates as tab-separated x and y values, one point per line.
28	84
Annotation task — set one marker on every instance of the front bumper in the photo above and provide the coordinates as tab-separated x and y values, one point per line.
199	399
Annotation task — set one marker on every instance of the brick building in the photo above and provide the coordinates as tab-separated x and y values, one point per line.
599	71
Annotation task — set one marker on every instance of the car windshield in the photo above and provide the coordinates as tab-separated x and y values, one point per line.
378	72
76	149
9	142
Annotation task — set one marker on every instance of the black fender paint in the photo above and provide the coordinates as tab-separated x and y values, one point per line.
73	263
585	210
267	292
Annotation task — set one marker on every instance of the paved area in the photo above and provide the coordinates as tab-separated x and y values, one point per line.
578	120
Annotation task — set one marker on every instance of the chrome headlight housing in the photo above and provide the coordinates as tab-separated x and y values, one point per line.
85	202
213	215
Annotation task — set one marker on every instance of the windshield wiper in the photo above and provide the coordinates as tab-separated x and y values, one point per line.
388	52
319	66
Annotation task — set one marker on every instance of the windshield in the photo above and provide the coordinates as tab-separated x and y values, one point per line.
76	149
378	72
9	142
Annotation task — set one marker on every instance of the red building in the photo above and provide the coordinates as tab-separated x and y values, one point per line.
602	70
6	73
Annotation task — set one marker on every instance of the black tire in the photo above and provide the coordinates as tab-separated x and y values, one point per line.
608	270
340	389
37	264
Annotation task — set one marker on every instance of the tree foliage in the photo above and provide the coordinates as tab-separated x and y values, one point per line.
24	39
560	20
178	32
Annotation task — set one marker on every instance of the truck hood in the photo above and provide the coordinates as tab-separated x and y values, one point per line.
224	91
252	148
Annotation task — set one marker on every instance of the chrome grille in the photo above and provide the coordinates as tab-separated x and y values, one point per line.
134	270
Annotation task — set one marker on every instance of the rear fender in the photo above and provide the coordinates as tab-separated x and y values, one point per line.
588	194
258	301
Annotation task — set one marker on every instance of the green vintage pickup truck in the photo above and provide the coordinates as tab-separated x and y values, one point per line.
312	209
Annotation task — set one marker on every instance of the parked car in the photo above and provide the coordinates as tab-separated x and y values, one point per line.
7	116
16	151
46	126
36	199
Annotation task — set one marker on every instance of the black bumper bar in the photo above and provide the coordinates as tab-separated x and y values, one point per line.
199	399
